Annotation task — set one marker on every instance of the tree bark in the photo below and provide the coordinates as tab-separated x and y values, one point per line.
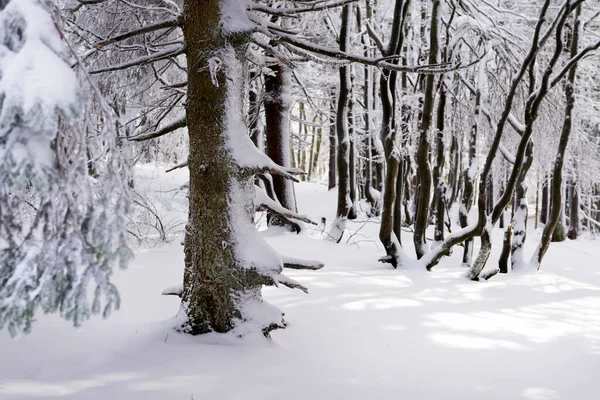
573	211
556	209
218	282
277	111
423	194
332	143
344	203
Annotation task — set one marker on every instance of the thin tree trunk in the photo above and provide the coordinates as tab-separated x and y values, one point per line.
343	155
332	143
352	163
573	211
556	209
422	157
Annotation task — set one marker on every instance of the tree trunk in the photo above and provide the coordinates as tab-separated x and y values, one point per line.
573	211
219	280
550	231
343	155
332	143
277	112
423	197
317	150
439	198
352	163
521	213
468	179
545	202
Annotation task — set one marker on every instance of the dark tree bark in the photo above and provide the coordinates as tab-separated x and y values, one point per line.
215	278
253	112
277	131
388	81
439	198
332	144
424	183
343	154
573	211
352	162
545	201
556	189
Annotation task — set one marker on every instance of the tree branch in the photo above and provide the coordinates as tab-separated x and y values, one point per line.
169	23
161	55
173	126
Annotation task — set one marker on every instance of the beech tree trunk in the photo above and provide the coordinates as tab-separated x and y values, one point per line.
344	203
424	184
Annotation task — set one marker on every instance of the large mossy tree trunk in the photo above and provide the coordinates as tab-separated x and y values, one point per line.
219	281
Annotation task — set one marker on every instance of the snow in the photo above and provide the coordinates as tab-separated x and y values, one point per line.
365	331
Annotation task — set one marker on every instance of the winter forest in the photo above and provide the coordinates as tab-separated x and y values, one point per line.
299	199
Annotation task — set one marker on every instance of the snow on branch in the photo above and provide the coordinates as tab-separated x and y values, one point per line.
173	51
381	62
265	203
316	6
173	291
169	23
173	126
292	284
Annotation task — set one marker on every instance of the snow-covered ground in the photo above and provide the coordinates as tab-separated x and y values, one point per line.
365	331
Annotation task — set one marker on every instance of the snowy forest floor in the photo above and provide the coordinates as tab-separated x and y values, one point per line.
365	331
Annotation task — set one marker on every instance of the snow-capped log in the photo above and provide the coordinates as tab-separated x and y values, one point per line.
298	263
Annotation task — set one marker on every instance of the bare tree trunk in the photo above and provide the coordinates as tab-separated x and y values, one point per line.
388	136
521	213
573	211
439	198
422	199
277	112
556	209
469	176
352	163
344	203
545	201
254	113
332	143
367	115
317	149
